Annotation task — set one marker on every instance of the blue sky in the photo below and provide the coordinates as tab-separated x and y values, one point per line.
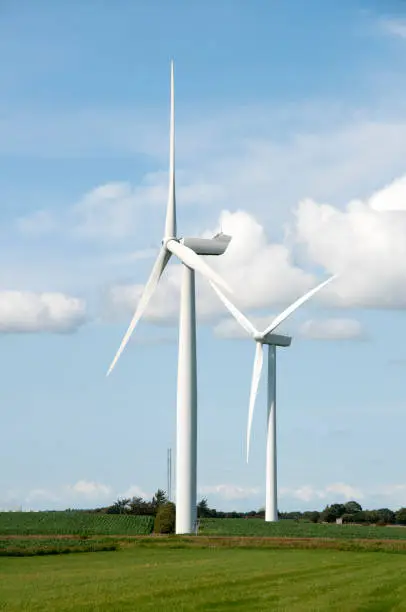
291	136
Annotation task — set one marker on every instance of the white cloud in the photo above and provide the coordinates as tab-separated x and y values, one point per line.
391	197
331	329
367	246
332	493
394	27
24	311
362	243
83	493
135	491
261	272
91	490
109	212
229	491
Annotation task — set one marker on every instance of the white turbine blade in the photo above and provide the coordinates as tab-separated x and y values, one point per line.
170	222
190	259
290	309
256	376
159	267
242	319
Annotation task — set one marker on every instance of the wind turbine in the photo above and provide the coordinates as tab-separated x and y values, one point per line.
187	250
266	337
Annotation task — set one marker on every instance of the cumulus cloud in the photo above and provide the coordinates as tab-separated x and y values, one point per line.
261	273
135	491
390	495
229	491
83	493
24	311
364	244
335	492
332	329
391	197
92	490
110	211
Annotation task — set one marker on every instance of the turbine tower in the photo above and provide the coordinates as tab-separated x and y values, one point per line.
188	251
272	340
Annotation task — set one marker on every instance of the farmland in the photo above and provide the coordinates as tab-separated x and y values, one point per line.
28	546
93	524
166	578
73	523
232	564
287	528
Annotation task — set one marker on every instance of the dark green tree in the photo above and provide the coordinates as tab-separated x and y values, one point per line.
119	507
352	506
386	516
401	516
203	510
331	513
165	519
314	516
159	498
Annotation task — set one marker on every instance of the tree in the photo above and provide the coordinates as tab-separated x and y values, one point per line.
140	506
386	516
352	507
119	506
401	516
314	516
165	519
203	510
331	513
159	498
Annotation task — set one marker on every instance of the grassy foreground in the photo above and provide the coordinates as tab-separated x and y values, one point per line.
195	578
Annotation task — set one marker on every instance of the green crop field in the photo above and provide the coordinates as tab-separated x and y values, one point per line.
27	546
157	578
73	523
293	529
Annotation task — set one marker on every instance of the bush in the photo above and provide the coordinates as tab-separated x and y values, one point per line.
401	516
165	518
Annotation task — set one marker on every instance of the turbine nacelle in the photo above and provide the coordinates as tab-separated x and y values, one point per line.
276	340
208	246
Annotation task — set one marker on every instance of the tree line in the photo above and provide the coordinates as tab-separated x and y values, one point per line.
349	512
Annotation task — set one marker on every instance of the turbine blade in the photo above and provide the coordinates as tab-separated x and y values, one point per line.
190	259
159	267
170	222
242	319
290	309
256	376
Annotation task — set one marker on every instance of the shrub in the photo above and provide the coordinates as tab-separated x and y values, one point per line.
165	518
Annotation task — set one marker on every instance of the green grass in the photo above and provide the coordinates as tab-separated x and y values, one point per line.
73	523
293	529
27	547
209	579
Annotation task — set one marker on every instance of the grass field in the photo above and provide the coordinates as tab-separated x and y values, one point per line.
73	523
35	545
215	579
80	523
287	528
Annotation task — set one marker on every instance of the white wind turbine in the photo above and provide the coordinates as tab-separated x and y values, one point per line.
188	251
272	340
